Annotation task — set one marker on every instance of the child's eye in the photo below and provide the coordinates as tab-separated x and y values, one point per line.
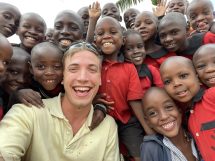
57	26
40	67
169	107
57	67
183	75
27	26
5	63
7	16
104	12
139	46
192	16
148	22
13	72
174	32
166	82
152	113
200	66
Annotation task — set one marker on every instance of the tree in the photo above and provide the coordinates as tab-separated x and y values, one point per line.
124	4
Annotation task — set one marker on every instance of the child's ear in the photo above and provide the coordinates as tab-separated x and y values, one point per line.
123	40
30	68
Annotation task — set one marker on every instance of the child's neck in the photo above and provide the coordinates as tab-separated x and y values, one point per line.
111	57
151	46
25	48
180	139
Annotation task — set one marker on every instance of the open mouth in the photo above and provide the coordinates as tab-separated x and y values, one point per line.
107	44
182	93
202	26
211	80
31	39
81	91
65	42
168	126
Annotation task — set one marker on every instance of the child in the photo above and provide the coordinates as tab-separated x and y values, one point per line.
182	84
129	17
9	19
120	85
110	9
146	24
31	30
49	35
68	28
172	142
17	75
200	15
177	6
133	50
173	35
84	14
6	52
204	63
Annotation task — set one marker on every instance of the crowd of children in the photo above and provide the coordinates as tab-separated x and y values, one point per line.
158	73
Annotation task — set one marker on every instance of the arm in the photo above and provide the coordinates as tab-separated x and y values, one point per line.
136	106
16	132
94	14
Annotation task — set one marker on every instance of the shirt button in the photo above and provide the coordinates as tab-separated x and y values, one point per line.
191	111
197	134
108	81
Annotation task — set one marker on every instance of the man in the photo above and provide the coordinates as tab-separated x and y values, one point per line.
60	131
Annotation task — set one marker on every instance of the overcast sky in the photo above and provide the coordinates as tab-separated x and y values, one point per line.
48	9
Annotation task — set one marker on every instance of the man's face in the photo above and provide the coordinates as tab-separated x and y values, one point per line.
82	78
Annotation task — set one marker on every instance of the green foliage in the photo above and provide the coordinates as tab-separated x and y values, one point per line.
154	2
124	4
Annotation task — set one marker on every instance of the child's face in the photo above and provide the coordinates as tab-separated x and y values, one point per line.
84	14
109	36
180	80
129	17
162	114
110	9
200	15
68	28
31	30
49	35
134	50
204	63
5	55
46	67
17	74
146	25
172	35
177	6
9	20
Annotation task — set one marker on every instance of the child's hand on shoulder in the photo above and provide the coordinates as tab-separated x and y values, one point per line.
30	97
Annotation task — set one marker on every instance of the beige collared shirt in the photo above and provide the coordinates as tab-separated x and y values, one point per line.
33	134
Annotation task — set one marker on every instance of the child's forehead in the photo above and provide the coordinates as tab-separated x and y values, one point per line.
29	17
206	4
204	50
83	10
109	5
146	15
131	11
177	1
108	22
68	16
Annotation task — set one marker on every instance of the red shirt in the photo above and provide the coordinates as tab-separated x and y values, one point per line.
148	80
195	41
201	123
158	57
120	83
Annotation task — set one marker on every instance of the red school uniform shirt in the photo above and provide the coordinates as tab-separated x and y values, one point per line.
201	122
195	41
120	83
149	76
158	57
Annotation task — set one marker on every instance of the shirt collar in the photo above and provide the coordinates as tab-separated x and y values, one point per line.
158	54
56	110
142	71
